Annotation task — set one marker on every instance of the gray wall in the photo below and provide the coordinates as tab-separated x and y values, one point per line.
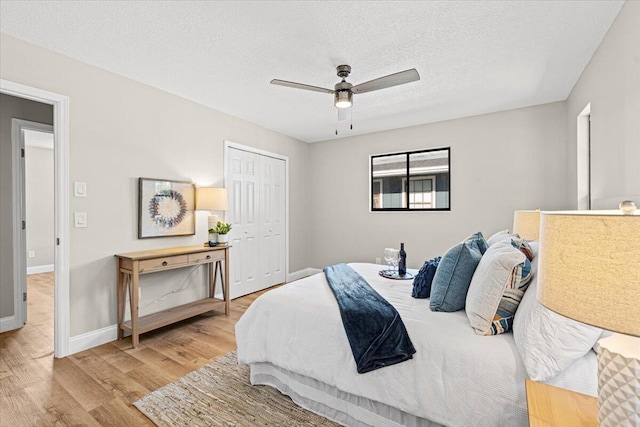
499	163
39	205
611	83
11	107
120	130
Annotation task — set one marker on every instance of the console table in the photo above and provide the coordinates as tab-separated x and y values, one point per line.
132	265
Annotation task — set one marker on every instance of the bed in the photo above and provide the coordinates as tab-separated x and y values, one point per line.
293	339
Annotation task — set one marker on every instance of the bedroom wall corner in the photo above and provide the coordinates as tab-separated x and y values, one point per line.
500	162
611	83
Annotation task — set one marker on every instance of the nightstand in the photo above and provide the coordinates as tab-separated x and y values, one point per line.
552	406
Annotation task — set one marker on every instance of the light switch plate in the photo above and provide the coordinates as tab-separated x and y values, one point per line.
79	189
80	219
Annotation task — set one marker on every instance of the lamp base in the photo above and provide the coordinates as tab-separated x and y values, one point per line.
619	381
212	221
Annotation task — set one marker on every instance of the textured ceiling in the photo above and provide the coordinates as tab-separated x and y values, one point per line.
473	57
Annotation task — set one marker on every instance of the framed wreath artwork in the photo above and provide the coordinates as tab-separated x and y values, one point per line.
165	208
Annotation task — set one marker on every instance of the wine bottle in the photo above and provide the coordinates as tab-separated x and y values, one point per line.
402	261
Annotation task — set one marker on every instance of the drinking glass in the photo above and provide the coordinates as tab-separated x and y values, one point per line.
395	256
388	256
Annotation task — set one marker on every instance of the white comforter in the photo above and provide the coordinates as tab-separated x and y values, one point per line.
455	378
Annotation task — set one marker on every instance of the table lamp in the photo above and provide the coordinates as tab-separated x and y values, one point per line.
211	199
527	224
589	271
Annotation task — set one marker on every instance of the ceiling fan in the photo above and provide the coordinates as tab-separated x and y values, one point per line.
343	91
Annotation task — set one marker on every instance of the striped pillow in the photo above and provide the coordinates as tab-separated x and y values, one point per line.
523	247
521	276
497	286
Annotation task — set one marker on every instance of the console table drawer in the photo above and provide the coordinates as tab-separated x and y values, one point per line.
206	257
148	265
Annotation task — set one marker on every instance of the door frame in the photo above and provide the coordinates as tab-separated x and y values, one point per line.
230	144
18	198
61	210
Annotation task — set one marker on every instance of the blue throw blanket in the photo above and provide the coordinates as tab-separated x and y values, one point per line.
374	328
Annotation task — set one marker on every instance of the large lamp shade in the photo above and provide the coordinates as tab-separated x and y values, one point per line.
589	270
527	224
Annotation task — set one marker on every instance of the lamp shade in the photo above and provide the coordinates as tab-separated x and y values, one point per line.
211	199
589	268
527	224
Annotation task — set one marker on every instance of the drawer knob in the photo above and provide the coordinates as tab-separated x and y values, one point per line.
164	263
208	256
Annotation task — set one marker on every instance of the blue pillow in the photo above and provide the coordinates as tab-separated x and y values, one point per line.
422	281
453	276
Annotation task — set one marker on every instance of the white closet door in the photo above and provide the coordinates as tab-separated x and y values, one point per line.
256	190
243	193
272	218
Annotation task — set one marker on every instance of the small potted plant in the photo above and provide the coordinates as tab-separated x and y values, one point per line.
222	229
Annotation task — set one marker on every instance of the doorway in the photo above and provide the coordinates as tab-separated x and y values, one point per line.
584	158
33	143
60	104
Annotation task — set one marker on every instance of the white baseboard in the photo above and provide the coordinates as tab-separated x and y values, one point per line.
93	339
40	269
291	277
8	324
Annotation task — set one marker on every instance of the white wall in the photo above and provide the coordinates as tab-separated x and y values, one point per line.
499	163
611	83
120	130
39	205
11	107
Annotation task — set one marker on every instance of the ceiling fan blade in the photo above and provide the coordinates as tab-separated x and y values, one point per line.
391	80
300	86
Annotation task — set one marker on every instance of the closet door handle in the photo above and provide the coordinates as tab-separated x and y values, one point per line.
164	263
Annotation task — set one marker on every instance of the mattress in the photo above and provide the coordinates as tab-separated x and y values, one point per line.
456	378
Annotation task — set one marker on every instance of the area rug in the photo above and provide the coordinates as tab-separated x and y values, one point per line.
219	394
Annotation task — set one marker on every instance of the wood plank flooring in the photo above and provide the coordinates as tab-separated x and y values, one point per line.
97	387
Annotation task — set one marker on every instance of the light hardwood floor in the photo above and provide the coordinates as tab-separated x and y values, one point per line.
98	386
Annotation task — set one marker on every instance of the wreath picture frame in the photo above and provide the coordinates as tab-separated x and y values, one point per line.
165	208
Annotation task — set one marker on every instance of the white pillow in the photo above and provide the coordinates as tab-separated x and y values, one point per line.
494	279
548	343
499	236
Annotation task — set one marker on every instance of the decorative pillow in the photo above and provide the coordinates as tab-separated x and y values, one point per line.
424	278
500	235
548	343
496	289
481	242
523	247
454	273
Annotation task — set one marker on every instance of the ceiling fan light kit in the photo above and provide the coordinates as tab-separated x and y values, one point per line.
343	91
343	99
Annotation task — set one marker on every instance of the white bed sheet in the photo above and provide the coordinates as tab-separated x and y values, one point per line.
456	378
